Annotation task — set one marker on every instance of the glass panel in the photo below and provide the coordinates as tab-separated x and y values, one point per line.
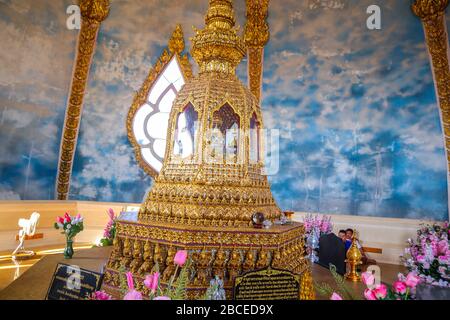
138	124
154	135
185	132
166	103
160	148
254	139
227	122
151	160
173	71
157	89
157	125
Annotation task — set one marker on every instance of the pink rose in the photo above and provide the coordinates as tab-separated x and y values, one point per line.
60	220
133	295
336	296
180	257
368	278
162	298
412	280
369	295
380	291
399	287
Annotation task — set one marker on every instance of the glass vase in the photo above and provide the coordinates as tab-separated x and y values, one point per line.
68	251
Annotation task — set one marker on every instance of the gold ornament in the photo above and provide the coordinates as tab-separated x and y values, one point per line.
93	12
256	36
432	14
354	260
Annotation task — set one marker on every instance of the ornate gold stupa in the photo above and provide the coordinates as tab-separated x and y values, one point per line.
212	180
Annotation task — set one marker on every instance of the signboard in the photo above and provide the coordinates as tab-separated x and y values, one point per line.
73	283
267	284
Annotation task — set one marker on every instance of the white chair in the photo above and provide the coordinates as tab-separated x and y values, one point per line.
28	229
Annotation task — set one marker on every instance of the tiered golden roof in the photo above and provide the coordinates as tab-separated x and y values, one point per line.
200	189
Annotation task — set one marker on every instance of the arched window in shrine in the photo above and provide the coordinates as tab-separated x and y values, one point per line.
150	121
186	129
255	140
225	140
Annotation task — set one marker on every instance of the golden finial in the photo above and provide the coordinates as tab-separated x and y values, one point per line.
176	42
218	48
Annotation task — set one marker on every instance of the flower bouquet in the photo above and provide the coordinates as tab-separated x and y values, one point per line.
110	230
429	254
319	224
315	226
403	289
70	227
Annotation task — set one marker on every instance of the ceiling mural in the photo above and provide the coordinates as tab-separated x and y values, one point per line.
36	55
356	108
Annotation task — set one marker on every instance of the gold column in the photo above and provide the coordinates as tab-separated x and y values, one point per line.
432	14
93	12
256	35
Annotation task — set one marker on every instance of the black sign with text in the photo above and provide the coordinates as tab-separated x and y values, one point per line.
267	284
73	283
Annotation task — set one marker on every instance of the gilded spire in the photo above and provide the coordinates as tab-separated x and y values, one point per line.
176	42
218	48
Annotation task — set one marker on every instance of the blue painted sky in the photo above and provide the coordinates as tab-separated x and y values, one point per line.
360	124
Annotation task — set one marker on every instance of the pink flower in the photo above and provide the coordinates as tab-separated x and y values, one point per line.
412	280
399	287
368	278
336	296
111	214
101	295
148	282
380	291
442	246
133	295
420	259
369	295
60	220
180	257
67	217
151	281
162	298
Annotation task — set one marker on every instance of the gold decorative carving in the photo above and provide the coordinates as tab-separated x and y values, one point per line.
175	48
256	36
432	14
93	12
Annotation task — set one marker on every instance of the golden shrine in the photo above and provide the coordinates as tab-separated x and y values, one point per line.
211	182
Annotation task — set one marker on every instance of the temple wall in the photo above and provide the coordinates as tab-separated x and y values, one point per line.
94	213
356	109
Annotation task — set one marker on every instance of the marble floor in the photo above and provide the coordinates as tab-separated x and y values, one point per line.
10	270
